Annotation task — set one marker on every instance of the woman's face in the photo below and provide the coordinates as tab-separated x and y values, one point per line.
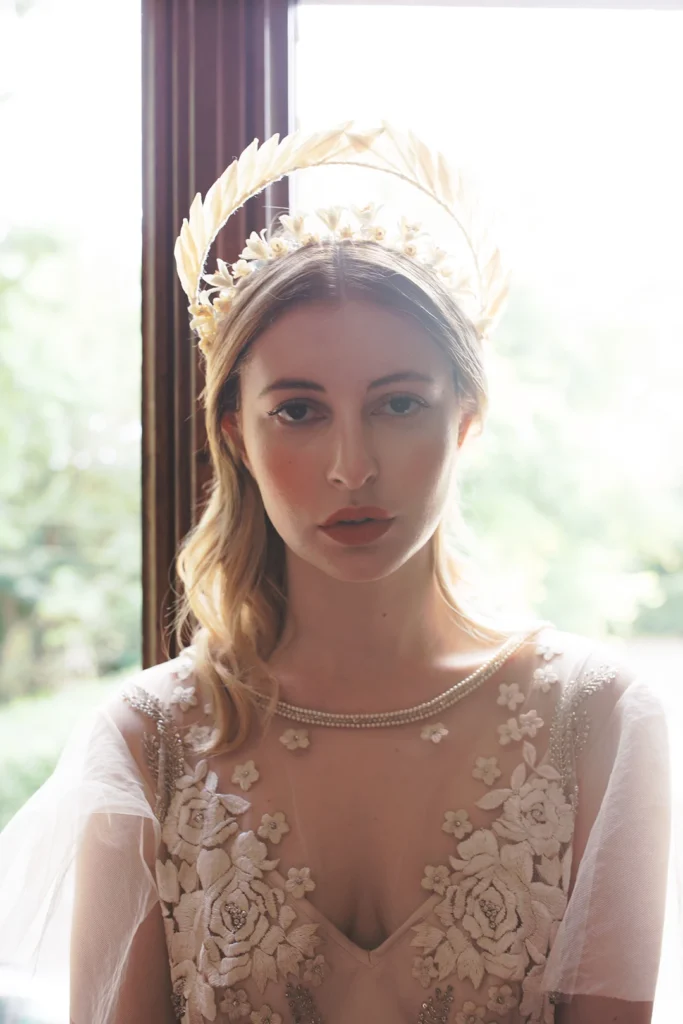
319	432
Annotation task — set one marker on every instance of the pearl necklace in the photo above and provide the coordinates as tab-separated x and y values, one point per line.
426	709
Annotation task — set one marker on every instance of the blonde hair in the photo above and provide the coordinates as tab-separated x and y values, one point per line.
232	563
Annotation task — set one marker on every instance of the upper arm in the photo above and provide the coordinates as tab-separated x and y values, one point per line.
610	938
596	1010
119	963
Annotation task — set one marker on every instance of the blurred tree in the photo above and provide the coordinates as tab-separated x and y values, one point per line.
69	479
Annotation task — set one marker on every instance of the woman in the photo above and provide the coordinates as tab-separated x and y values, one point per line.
353	797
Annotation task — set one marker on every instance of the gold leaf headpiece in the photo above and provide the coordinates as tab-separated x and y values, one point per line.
481	289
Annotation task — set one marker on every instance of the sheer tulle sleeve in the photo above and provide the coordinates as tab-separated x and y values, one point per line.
79	907
625	875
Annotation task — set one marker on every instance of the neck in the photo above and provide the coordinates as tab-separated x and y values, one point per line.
371	645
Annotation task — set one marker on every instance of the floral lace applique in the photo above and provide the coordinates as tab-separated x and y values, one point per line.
249	929
295	739
236	1004
435	733
185	697
501	999
184	666
510	696
265	1016
197	735
545	678
509	731
506	891
528	725
470	1014
273	827
548	651
315	971
486	769
457	824
245	775
503	895
214	874
299	882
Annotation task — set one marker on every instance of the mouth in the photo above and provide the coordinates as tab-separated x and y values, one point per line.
358	531
354	522
354	514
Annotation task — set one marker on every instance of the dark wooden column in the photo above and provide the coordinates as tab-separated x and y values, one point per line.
215	75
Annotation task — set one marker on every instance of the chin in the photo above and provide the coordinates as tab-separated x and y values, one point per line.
362	564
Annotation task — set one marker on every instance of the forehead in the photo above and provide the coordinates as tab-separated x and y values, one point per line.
353	340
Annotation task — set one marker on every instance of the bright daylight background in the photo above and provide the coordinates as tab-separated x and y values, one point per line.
568	122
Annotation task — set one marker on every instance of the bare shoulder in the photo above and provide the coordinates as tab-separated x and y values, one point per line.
163	700
592	673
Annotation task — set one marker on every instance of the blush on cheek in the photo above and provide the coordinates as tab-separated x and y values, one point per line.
424	465
287	482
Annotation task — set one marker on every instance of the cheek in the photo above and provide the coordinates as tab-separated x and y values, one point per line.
425	464
285	477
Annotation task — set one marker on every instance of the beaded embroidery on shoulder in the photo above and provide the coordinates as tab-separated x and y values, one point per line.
163	749
570	726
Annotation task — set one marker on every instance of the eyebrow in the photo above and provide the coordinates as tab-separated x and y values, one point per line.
287	383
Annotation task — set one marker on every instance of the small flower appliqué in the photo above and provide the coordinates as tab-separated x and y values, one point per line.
236	1004
486	769
295	739
508	732
530	723
185	697
435	733
265	1016
315	971
245	775
470	1014
436	879
185	664
424	969
548	651
501	999
457	823
545	677
197	735
299	881
510	696
273	827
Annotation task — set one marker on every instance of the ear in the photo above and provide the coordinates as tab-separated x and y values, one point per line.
463	427
230	425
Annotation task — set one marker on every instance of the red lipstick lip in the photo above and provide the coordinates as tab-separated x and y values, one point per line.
354	512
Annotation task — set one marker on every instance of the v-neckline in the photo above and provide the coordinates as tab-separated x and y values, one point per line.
367	957
372	957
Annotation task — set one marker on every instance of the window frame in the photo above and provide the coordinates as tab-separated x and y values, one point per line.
214	77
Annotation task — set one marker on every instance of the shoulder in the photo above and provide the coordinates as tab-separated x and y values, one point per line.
155	710
167	689
601	702
591	672
600	678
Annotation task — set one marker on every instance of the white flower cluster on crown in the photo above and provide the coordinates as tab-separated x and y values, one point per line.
337	223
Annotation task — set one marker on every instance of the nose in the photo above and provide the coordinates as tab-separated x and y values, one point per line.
353	462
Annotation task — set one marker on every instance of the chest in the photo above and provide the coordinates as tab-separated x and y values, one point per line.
366	815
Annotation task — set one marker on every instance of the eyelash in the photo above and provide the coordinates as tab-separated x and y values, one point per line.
307	404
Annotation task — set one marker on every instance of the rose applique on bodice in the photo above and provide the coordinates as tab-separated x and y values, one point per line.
230	916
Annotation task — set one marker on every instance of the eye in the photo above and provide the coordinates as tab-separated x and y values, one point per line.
297	405
401	400
296	409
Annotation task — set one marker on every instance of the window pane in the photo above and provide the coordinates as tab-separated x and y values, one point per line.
70	354
564	119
